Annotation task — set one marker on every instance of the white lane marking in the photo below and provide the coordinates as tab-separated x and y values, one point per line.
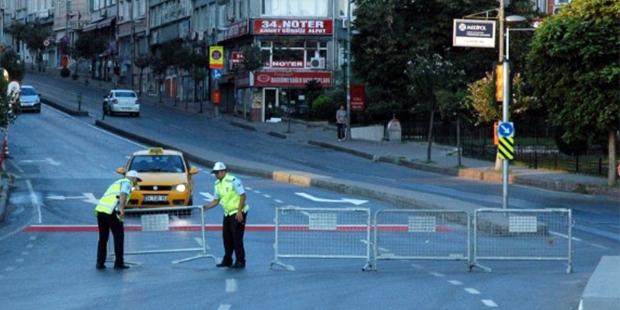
266	196
436	274
455	282
103	167
19	260
257	192
472	291
598	246
224	307
416	266
35	201
231	285
199	241
10	268
16	166
489	303
25	253
33	238
278	201
29	246
248	188
563	235
117	136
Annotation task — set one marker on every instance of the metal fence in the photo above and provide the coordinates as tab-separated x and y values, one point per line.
166	230
526	234
339	233
421	235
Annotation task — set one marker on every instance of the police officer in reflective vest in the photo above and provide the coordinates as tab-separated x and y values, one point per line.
230	194
110	214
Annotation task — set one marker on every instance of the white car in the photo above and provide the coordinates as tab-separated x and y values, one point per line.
29	99
121	101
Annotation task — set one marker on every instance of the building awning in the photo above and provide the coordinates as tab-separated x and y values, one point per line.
103	23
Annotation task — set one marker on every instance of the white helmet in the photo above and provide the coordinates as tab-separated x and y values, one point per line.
218	166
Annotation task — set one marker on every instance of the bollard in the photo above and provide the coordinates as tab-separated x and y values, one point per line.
79	100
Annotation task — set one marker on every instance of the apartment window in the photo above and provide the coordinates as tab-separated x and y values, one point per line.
294	8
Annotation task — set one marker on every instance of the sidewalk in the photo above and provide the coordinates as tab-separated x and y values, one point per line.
409	154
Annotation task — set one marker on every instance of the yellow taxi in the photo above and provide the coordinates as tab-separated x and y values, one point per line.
166	178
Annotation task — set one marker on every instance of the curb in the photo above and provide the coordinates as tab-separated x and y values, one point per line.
4	197
480	175
63	108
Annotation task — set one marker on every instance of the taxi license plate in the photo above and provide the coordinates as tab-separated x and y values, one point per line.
152	198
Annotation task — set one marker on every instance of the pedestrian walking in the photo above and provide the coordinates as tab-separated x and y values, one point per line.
341	122
110	215
230	194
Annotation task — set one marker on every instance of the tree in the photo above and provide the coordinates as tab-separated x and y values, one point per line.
88	46
142	61
7	111
34	37
159	68
393	32
10	61
574	70
431	76
253	58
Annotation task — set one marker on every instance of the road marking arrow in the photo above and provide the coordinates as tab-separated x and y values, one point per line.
48	160
86	197
208	196
356	202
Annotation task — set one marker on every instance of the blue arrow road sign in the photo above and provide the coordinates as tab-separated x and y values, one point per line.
216	73
506	129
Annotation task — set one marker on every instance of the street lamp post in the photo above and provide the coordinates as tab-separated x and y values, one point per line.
348	88
506	103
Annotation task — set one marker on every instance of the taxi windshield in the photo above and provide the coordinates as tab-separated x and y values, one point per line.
159	163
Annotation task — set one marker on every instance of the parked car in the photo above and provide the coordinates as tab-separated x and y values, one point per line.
121	101
29	99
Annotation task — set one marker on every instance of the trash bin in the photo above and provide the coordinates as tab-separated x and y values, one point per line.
394	130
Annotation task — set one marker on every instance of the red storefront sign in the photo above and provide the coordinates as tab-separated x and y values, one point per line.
237	29
216	97
358	97
293	27
291	79
236	57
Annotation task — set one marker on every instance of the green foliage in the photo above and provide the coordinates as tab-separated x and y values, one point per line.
7	108
324	107
574	70
88	45
34	37
253	58
10	61
142	61
393	32
481	99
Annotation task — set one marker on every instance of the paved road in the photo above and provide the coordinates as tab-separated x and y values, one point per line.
216	138
56	155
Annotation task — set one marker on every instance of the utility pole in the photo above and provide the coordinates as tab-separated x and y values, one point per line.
133	43
348	88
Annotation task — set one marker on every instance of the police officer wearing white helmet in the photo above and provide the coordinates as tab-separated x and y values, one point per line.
230	194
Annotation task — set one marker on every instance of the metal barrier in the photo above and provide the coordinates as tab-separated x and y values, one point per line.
171	230
522	234
401	234
321	233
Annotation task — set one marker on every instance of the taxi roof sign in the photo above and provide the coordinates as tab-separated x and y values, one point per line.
156	150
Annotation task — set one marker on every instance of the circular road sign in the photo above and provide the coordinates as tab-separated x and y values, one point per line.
46	43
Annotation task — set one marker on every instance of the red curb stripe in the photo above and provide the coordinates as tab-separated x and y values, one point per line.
217	227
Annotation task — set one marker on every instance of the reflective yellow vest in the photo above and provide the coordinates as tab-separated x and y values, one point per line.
108	202
229	199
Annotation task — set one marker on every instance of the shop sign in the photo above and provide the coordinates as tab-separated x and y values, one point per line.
291	79
358	96
293	26
287	64
237	29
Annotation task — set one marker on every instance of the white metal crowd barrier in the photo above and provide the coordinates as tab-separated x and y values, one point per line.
522	234
339	233
401	234
165	230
